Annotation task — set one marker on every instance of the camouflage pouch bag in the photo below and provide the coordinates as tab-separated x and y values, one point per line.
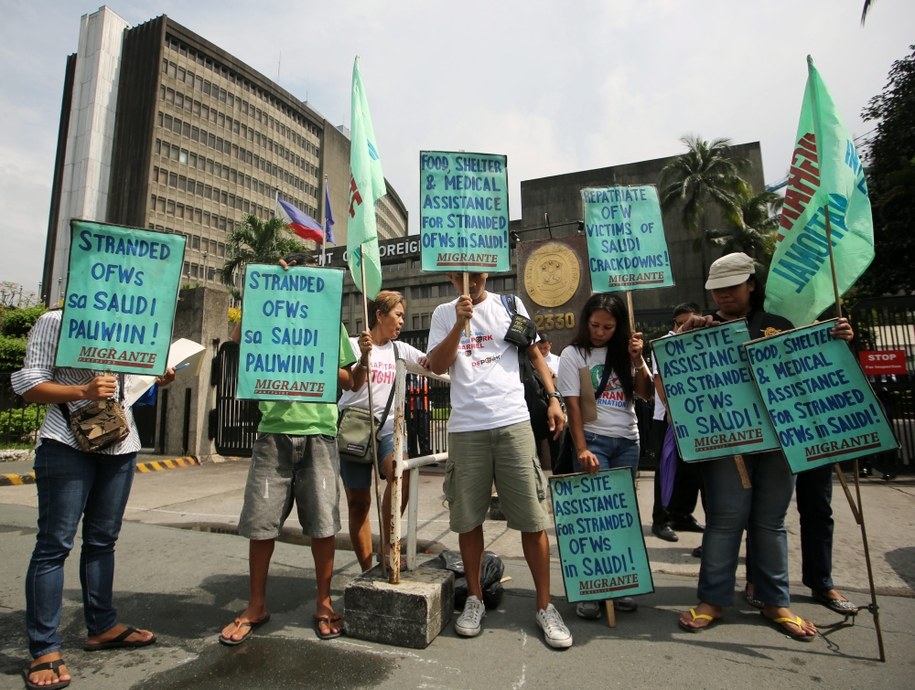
99	426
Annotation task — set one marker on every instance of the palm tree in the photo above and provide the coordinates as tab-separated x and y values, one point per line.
256	241
754	225
706	172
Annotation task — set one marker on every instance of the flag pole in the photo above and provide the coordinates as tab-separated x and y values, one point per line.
374	444
324	227
857	508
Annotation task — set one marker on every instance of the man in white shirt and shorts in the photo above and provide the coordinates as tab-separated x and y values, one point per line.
490	441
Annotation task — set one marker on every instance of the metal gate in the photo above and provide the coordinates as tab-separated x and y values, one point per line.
233	424
888	324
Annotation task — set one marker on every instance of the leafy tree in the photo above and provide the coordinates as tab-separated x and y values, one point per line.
256	241
754	225
706	173
891	182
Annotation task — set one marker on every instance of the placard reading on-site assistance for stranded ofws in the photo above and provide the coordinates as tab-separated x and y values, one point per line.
819	400
463	211
627	249
714	405
599	534
290	334
119	308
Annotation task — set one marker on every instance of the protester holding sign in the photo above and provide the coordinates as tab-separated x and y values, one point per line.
386	318
604	363
758	505
490	439
294	459
74	484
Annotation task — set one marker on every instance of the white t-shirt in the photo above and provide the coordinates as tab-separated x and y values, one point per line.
486	388
552	361
384	370
615	415
659	409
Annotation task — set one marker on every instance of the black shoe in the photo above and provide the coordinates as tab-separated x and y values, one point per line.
686	524
697	552
664	532
864	472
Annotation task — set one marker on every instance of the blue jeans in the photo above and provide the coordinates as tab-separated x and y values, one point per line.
761	509
71	485
614	452
814	504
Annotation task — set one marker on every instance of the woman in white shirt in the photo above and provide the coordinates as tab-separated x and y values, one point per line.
607	356
386	319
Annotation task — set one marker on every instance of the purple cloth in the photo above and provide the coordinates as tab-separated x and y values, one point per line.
667	466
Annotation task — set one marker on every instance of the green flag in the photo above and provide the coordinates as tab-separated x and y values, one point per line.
365	188
825	173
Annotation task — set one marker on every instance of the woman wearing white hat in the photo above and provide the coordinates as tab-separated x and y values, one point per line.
732	508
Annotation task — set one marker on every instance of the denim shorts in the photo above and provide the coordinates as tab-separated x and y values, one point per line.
506	456
284	468
358	475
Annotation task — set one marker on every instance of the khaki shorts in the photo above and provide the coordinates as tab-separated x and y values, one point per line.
304	469
507	457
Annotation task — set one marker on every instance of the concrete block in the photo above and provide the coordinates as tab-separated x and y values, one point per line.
409	614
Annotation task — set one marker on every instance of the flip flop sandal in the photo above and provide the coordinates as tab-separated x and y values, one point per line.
329	622
843	606
782	623
239	623
695	617
119	642
753	601
52	665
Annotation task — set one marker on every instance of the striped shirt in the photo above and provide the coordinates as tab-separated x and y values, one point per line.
39	368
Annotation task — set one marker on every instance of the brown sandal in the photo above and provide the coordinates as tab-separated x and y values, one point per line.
330	622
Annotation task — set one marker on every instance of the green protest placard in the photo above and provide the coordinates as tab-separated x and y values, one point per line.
122	288
713	402
819	400
627	249
463	211
599	534
290	334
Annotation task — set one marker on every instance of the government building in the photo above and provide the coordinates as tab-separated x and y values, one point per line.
161	129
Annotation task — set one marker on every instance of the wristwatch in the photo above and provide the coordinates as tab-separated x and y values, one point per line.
557	395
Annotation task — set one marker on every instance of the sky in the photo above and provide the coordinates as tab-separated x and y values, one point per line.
556	86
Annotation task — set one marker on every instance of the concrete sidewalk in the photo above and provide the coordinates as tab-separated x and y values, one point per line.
187	583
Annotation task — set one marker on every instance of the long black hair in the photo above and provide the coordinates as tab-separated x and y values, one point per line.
618	345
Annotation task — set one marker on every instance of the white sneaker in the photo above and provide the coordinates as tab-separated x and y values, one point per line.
470	622
555	632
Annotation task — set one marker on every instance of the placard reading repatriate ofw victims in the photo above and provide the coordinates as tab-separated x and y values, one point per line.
626	245
290	334
714	404
601	547
820	402
463	211
122	288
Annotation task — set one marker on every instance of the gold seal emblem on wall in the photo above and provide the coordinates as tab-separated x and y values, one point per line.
551	275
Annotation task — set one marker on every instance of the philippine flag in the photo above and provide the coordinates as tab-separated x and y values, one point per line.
301	223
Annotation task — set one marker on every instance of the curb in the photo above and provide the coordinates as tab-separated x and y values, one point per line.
170	464
17	479
10	479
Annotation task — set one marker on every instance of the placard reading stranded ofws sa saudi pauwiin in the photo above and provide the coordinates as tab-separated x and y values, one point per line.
119	308
627	249
290	334
599	534
820	402
714	405
463	211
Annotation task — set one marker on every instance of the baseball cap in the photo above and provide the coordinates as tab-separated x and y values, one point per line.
729	270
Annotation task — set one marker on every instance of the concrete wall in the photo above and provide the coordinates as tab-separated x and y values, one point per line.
201	316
